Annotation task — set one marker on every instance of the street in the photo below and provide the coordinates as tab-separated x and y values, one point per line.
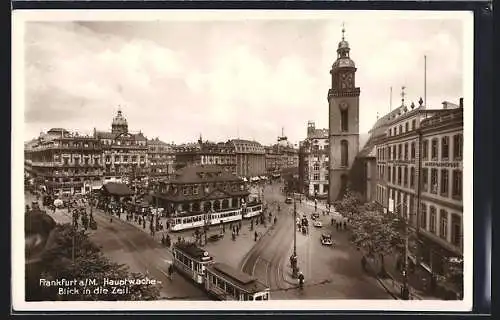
330	272
125	244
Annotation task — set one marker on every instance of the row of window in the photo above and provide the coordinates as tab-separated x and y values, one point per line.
125	158
399	129
442	187
403	177
317	166
316	188
124	143
317	176
435	146
407	151
429	221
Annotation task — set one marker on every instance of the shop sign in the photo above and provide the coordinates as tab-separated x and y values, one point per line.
442	164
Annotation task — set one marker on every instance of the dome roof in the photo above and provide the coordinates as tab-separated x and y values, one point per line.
343	44
344	62
119	120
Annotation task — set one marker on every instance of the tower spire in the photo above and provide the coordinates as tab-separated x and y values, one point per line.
343	31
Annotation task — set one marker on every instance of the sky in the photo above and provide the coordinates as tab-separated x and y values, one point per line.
224	79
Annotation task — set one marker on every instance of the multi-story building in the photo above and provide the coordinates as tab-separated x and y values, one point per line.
200	189
279	158
250	158
161	159
65	163
314	161
202	153
426	146
343	100
125	154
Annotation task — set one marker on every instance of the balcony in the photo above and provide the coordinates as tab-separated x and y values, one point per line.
68	147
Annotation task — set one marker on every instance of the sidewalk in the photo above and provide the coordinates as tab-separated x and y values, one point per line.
60	216
224	250
394	280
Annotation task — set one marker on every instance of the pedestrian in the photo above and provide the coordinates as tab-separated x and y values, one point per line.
170	271
237	231
255	236
332	221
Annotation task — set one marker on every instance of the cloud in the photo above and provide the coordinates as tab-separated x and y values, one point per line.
249	78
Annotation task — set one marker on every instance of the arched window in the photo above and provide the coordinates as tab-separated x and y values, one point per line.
344	120
344	153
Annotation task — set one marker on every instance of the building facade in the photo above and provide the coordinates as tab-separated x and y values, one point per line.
125	154
201	189
161	158
419	169
279	158
343	100
314	162
206	153
250	158
64	163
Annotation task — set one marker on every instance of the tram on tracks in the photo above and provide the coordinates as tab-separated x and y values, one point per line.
223	282
220	281
185	220
191	261
252	210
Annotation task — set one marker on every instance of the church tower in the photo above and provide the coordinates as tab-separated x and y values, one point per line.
343	101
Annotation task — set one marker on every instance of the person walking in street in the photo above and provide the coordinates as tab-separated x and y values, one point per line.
170	271
255	236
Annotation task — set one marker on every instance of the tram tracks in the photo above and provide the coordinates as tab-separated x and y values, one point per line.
268	253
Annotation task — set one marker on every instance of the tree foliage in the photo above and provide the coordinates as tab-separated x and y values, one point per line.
349	204
89	263
375	232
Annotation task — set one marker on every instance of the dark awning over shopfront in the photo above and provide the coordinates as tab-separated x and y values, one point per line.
117	189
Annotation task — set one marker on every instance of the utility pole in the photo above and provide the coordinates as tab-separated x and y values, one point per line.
405	294
294	259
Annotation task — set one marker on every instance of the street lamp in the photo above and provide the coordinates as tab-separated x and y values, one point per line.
293	259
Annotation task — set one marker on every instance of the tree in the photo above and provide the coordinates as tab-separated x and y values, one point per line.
56	262
350	203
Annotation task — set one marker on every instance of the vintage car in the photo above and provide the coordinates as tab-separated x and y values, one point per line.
317	224
326	239
314	216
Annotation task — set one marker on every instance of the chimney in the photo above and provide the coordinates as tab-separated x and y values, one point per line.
461	103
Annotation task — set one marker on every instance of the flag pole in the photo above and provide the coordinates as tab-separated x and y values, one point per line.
425	81
390	101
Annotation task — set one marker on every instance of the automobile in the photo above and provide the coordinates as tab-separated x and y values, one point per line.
314	216
215	237
288	200
326	239
317	224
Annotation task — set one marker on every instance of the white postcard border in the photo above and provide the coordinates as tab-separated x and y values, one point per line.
18	269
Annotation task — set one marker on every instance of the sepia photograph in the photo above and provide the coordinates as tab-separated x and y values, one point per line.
268	159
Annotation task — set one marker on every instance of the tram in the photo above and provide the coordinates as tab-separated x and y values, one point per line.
220	281
185	220
223	282
252	210
191	261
